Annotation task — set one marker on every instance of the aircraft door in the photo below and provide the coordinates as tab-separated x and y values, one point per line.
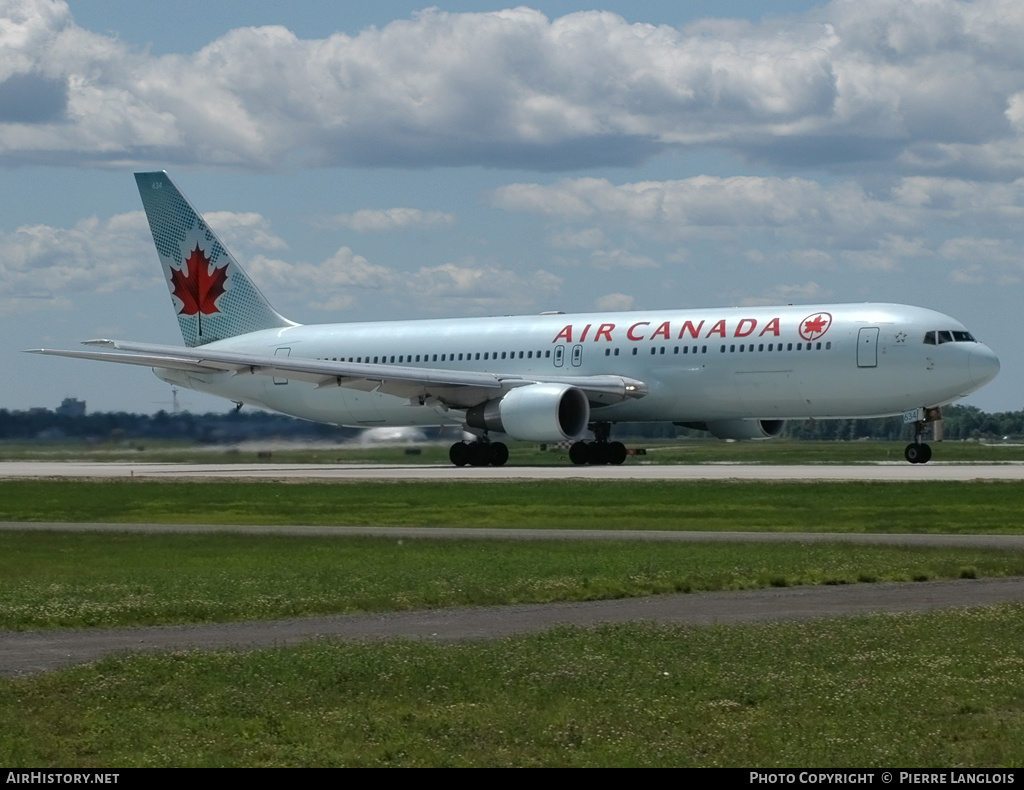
559	357
867	347
282	352
577	356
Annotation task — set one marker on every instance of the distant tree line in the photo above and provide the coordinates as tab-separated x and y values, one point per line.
959	423
222	428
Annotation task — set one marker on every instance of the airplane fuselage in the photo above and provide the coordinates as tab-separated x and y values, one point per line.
777	363
738	373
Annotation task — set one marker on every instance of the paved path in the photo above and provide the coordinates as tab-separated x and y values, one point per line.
24	653
507	533
897	472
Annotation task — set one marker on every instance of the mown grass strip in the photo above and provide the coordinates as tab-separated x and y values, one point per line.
76	580
920	507
926	690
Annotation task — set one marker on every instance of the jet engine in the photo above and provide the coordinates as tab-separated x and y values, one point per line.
535	412
739	429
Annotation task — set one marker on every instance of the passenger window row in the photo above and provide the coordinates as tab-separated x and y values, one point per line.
732	348
407	359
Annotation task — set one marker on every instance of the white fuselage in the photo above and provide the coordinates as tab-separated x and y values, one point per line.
790	362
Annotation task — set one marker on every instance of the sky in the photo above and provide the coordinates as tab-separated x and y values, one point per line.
374	161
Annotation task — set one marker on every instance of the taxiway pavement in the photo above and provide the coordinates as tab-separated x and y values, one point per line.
895	472
26	653
1007	542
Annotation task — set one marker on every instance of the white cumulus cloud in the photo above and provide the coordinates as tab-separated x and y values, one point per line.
926	87
51	264
808	292
392	219
615	302
43	263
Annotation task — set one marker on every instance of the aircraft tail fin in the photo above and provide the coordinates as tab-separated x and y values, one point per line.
213	297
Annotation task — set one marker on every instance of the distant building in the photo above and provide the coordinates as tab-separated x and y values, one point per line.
71	407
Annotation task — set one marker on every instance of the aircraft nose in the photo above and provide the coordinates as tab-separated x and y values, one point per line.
983	364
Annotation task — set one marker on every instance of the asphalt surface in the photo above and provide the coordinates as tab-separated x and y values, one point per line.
26	653
896	472
505	533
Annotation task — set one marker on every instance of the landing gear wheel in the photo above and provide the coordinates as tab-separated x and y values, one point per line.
499	454
579	453
479	454
600	451
616	453
458	453
918	453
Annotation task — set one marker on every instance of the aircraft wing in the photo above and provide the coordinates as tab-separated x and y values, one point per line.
459	389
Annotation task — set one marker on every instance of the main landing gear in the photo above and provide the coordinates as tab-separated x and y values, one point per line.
917	452
482	452
600	451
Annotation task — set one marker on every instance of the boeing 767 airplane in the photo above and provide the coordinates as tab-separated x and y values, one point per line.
736	373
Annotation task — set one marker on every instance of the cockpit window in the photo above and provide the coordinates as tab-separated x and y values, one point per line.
940	336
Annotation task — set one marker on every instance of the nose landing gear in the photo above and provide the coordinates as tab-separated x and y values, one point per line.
917	452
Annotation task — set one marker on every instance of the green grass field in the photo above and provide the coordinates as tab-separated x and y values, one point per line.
924	507
76	580
934	690
50	580
930	690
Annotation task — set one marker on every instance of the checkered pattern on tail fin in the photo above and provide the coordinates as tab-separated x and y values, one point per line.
213	297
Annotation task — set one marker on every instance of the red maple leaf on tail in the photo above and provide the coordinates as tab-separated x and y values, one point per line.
198	287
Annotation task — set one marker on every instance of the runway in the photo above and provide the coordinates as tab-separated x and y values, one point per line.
894	472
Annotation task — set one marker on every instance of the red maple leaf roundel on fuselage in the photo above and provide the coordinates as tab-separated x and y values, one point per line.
196	286
814	326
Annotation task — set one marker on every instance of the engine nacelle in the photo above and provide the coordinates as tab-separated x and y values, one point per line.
535	413
740	429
